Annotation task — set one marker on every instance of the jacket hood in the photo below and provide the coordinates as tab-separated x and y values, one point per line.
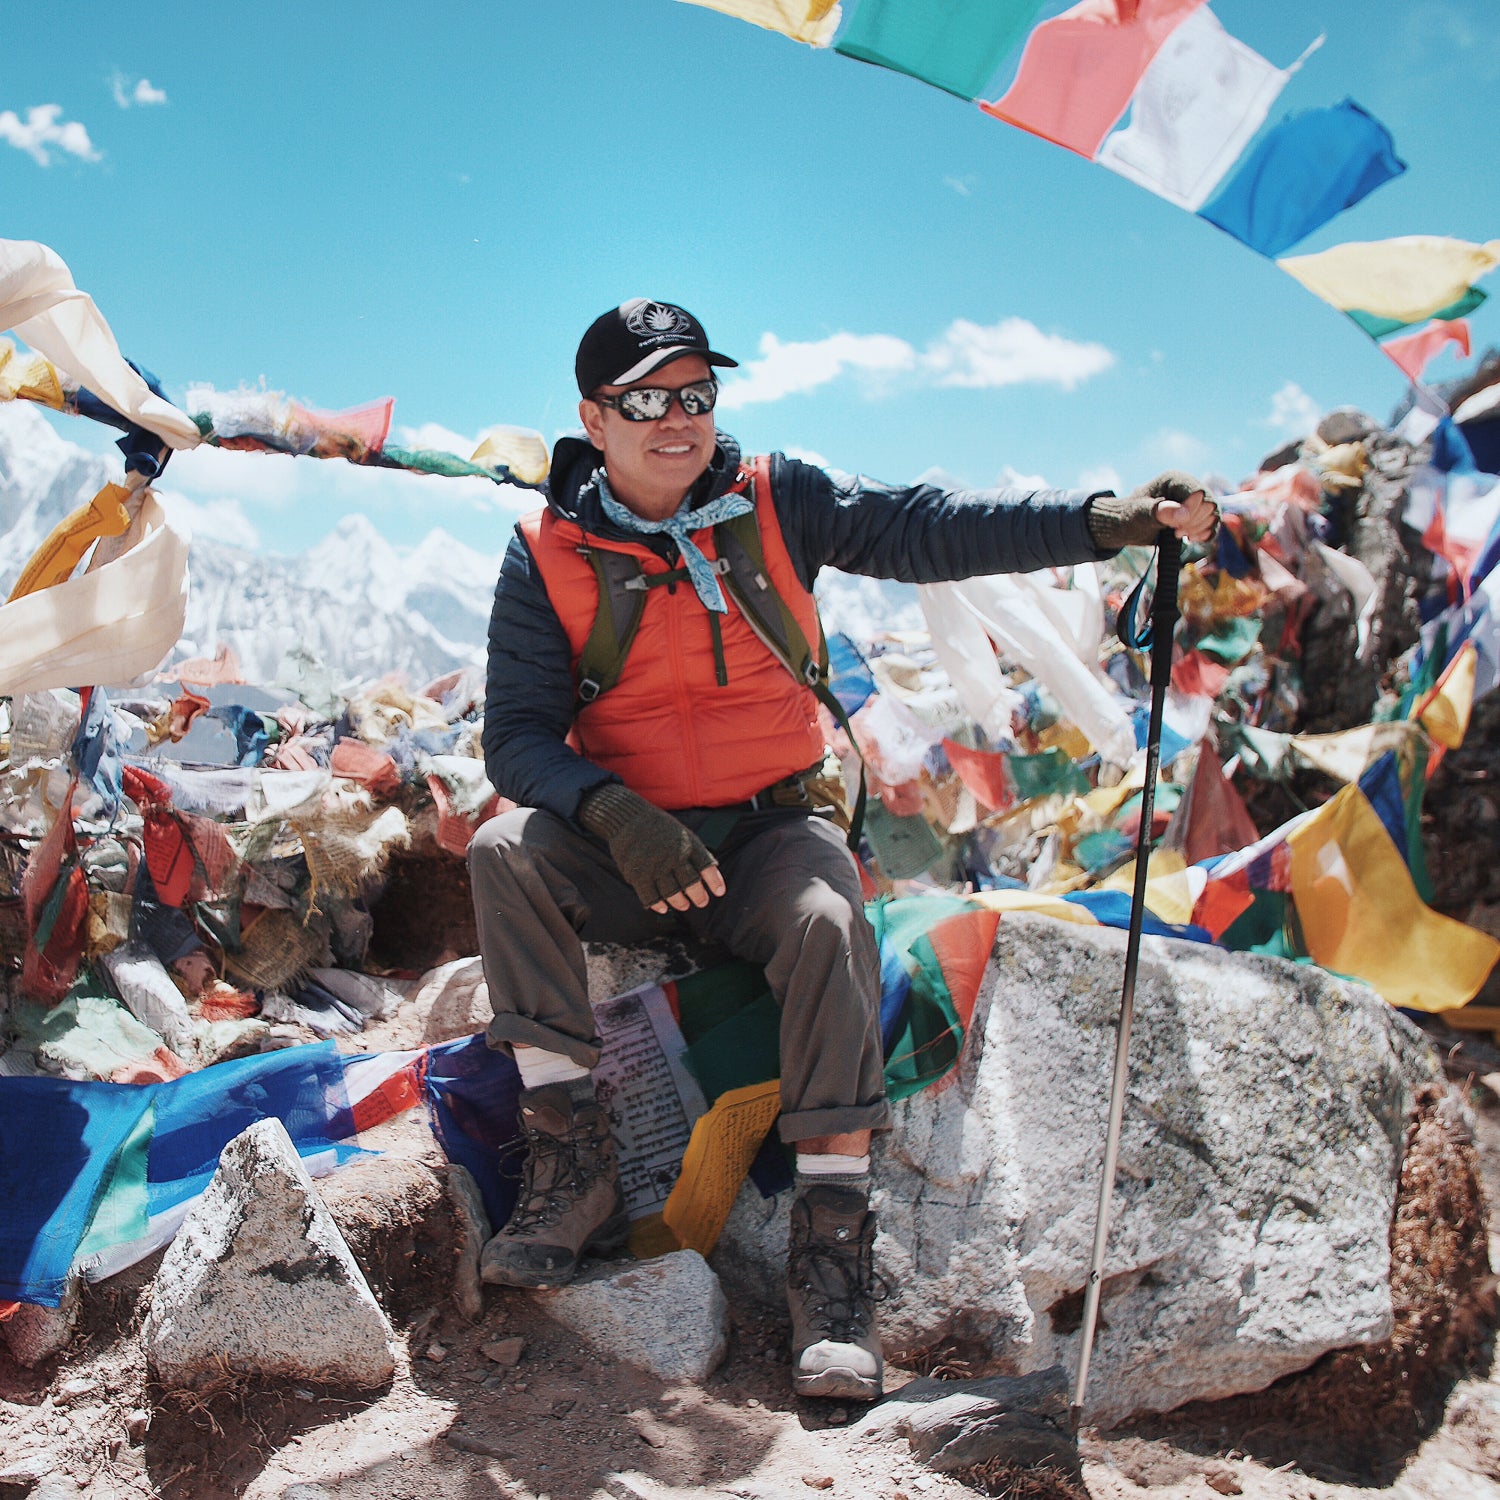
573	493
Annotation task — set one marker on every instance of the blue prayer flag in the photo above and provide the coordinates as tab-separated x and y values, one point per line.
1310	167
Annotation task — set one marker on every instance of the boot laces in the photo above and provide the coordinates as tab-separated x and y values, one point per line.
558	1170
841	1286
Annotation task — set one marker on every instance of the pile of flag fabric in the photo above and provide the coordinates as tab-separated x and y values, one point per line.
187	868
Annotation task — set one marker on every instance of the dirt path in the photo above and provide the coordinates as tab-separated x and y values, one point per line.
566	1424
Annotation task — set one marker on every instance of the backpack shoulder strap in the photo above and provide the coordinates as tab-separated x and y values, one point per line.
622	601
770	617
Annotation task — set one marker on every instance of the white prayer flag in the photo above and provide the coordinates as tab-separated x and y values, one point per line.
1194	112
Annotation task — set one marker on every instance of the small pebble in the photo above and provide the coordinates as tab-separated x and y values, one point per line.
838	1416
562	1408
436	1352
818	1481
1223	1480
302	1393
505	1352
752	1402
136	1423
78	1385
650	1432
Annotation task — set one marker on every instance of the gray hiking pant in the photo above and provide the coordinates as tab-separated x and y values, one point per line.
793	906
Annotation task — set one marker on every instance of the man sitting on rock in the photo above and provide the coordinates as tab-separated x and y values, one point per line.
653	656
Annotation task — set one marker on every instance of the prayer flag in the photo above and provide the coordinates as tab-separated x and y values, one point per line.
1211	819
1455	509
952	44
1193	113
982	771
1379	328
1360	913
810	21
1444	713
1080	68
1412	277
1311	167
1412	354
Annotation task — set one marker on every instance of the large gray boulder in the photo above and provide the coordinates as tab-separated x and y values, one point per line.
1257	1179
667	1315
259	1281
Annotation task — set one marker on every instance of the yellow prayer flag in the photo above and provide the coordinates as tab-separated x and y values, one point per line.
719	1153
1035	901
29	377
1409	278
1445	714
519	449
1168	893
1361	915
810	21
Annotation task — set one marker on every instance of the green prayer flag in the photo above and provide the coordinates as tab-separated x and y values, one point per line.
743	1050
1044	774
1231	640
952	44
903	846
1379	328
122	1211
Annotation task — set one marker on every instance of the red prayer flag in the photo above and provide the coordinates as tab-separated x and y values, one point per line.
1080	68
1197	676
1413	352
982	771
1212	818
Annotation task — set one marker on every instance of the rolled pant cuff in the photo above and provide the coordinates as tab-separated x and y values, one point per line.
809	1124
504	1032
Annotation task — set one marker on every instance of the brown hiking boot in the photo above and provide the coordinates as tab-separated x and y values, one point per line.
832	1289
570	1198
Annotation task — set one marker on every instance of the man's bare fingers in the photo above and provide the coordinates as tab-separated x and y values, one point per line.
713	878
660	907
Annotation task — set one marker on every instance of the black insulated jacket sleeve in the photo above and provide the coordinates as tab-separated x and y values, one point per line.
922	534
529	695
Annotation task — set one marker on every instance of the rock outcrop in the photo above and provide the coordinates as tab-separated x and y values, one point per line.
1257	1181
259	1281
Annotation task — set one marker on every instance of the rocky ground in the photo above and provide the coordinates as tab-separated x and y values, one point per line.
515	1405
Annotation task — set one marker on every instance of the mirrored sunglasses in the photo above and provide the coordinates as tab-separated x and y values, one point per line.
651	403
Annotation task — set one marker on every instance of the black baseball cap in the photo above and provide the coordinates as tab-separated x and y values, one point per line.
630	341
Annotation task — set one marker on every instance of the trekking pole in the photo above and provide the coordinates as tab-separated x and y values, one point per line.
1159	638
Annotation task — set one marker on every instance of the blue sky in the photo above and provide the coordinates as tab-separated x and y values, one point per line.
432	202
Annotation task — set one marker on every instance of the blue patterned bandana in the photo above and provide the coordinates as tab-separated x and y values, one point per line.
679	527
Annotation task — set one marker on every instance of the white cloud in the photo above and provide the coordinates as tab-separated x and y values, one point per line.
1013	478
963	186
42	130
142	91
1293	412
1010	352
435	435
788	369
808	456
1101	477
1171	448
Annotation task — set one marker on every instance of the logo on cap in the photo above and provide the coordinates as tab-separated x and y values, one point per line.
657	318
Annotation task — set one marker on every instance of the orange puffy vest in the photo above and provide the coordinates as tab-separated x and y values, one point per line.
669	728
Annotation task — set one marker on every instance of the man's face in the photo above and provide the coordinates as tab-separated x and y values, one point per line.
652	465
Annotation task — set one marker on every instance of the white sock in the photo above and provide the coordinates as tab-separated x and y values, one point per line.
539	1067
826	1164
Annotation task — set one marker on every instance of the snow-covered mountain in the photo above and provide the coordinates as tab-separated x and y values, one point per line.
361	605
